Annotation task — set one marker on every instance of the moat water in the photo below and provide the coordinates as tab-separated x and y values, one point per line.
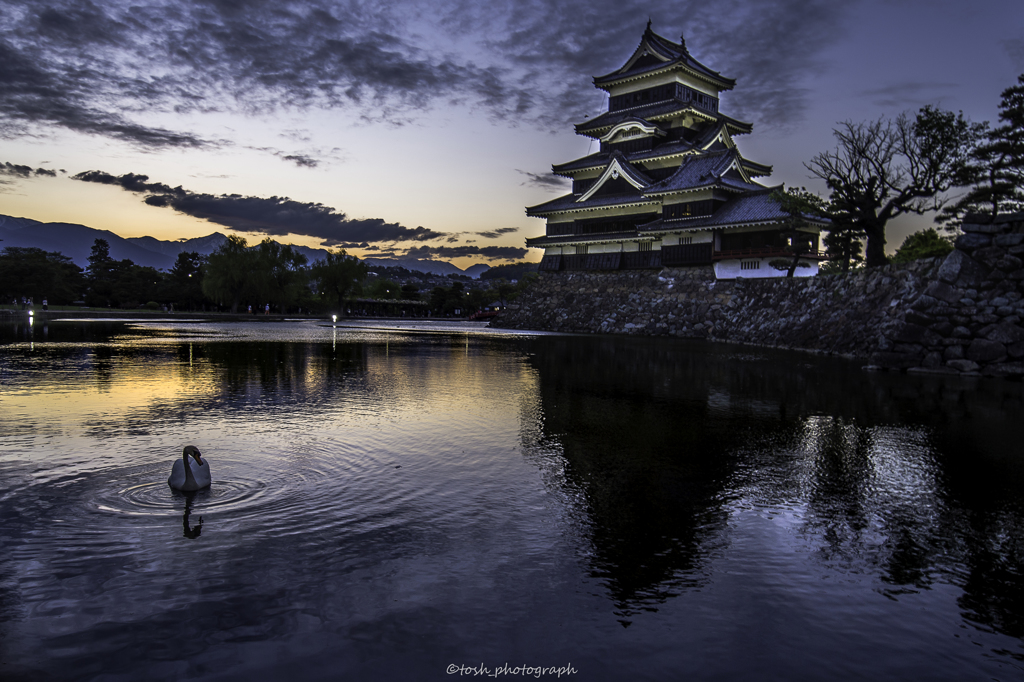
393	504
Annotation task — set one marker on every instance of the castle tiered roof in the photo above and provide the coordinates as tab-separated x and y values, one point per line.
715	170
656	54
752	208
656	112
708	140
721	169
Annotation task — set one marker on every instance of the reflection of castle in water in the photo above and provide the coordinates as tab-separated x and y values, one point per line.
666	440
652	449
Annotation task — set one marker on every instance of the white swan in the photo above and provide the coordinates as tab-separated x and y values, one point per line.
187	477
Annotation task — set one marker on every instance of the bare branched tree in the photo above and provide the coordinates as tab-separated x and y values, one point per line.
886	168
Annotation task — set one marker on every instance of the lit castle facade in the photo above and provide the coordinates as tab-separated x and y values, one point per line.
668	186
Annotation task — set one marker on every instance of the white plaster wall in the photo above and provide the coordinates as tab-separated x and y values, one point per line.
730	269
695	238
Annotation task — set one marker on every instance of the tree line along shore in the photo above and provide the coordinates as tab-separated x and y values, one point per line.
267	278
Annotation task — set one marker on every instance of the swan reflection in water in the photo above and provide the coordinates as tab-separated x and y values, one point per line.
189	531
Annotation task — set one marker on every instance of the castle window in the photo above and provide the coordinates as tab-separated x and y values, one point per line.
750	265
646	246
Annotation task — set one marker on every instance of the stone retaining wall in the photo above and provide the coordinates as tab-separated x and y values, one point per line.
958	314
968	318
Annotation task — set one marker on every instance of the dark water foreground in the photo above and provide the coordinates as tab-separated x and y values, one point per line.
386	505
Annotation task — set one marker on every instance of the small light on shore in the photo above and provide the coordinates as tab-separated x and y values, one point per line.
334	319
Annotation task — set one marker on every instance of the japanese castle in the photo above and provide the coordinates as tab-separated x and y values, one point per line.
668	187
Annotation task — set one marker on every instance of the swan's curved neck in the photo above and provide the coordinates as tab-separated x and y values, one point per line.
189	476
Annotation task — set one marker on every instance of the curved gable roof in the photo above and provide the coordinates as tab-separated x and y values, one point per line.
655	53
706	170
618	167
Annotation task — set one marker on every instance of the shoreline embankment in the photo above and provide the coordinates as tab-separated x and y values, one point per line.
204	316
960	314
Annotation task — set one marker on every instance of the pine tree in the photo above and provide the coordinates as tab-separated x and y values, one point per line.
844	244
100	274
800	205
997	166
922	244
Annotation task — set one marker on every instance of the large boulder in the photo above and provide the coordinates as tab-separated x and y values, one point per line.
986	352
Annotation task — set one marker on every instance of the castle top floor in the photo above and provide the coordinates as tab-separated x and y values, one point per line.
660	64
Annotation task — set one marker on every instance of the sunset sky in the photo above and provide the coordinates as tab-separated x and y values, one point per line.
425	128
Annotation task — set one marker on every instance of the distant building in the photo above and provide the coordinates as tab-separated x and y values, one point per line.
668	186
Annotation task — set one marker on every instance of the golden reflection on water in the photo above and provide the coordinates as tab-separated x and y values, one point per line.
536	492
334	381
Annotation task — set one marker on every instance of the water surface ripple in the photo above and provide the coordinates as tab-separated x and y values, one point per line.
389	499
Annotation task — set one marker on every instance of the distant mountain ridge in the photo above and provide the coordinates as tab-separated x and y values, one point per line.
204	245
75	242
433	267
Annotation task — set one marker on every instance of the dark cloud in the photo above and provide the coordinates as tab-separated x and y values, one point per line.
98	67
769	47
494	234
129	181
909	94
33	91
488	252
546	180
21	172
302	160
276	216
1015	50
15	170
92	68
